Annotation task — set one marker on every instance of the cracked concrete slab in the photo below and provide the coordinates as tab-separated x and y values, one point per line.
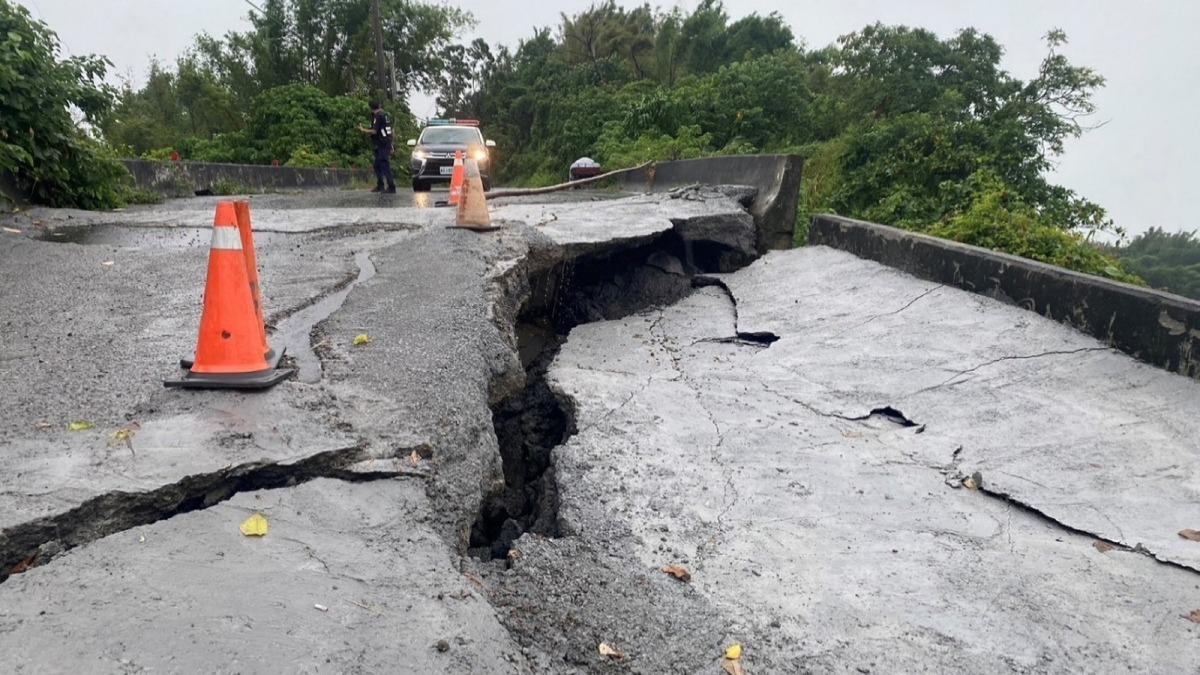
790	433
338	585
833	539
1049	416
440	309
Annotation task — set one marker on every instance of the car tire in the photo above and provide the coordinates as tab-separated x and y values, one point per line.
420	185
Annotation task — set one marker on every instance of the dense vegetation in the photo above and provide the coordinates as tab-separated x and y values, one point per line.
1165	260
897	125
42	149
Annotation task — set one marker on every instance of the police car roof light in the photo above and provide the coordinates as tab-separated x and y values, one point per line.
448	122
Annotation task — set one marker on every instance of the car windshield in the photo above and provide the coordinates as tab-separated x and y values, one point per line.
450	136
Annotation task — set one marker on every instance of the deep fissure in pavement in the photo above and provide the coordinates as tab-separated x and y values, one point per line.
38	541
532	422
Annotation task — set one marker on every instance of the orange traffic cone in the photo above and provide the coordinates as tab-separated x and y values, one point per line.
230	347
456	179
472	208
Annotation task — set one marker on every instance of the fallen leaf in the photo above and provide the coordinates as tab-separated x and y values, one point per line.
732	667
80	425
255	526
734	651
23	564
678	572
414	458
1194	617
361	339
1190	535
42	426
124	435
1102	546
610	651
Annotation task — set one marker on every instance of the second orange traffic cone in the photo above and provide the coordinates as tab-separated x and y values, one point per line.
456	179
231	347
472	208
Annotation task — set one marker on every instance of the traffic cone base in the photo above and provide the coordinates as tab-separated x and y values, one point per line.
259	380
472	208
231	347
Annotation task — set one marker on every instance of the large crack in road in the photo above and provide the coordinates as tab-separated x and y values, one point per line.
545	416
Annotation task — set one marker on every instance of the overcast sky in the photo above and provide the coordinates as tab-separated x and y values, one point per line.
1140	165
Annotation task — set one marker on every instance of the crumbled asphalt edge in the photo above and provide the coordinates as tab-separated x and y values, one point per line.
560	597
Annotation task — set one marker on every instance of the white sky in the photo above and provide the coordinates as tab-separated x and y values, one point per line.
1139	165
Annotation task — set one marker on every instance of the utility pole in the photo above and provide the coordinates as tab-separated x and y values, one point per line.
380	66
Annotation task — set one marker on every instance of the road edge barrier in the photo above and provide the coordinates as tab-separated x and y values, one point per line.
776	179
184	179
1155	327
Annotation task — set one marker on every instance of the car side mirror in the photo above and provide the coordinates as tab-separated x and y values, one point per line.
490	144
412	142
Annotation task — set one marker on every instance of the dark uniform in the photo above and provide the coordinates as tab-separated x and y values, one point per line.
381	135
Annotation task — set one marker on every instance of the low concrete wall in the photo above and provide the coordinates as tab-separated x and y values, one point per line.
184	178
775	177
1158	328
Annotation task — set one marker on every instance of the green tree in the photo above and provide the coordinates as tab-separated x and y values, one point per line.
42	147
1170	261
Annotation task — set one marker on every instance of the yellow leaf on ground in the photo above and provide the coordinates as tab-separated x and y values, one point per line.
678	572
732	667
733	652
610	651
255	526
1190	535
1194	617
361	339
80	425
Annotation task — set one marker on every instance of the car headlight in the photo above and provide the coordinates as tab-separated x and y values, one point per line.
479	155
419	154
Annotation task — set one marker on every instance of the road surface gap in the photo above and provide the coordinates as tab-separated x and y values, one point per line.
533	421
38	541
764	338
1058	524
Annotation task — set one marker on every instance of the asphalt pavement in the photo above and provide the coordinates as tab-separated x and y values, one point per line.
859	471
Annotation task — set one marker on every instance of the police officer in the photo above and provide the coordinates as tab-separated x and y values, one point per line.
381	135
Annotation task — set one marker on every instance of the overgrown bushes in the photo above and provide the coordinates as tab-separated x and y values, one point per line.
47	154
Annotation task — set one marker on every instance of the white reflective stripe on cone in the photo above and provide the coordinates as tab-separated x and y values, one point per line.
226	239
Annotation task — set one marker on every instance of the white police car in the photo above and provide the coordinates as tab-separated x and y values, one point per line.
433	152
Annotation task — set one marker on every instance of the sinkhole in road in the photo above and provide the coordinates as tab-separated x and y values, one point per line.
533	421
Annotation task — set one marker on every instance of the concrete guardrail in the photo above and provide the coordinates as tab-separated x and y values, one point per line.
1158	328
775	177
185	178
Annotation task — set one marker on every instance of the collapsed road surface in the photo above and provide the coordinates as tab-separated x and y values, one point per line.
861	471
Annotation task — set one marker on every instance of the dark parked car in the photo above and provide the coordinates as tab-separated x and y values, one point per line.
433	152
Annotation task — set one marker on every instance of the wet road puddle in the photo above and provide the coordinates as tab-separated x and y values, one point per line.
294	332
